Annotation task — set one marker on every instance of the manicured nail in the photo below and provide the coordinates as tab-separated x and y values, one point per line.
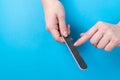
75	44
65	34
69	26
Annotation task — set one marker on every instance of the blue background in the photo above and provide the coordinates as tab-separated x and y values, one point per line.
28	51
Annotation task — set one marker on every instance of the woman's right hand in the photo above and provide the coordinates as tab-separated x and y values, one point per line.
55	19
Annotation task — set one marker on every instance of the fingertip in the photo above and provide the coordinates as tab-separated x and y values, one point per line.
64	31
81	41
65	34
75	44
82	34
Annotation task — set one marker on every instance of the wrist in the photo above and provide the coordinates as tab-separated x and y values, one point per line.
45	1
48	2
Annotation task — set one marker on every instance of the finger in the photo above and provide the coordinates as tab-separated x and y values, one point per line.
88	35
56	35
96	37
62	24
110	46
103	42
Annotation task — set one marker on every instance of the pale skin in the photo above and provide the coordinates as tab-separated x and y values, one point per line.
102	35
55	19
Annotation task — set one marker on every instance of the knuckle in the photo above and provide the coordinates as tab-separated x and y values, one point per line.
62	17
64	28
108	33
104	27
87	34
115	41
99	24
109	30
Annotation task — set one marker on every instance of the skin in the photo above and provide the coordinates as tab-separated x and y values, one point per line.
102	35
55	19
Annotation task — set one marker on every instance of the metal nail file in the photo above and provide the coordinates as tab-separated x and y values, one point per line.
81	63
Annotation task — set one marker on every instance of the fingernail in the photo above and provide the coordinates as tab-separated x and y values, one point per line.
68	25
75	44
65	34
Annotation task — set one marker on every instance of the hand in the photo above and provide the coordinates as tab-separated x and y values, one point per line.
102	35
55	19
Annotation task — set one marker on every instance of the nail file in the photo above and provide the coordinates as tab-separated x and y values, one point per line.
81	63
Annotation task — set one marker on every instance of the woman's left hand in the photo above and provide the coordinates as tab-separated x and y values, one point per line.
102	35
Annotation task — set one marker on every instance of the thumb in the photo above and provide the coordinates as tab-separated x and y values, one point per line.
62	23
62	26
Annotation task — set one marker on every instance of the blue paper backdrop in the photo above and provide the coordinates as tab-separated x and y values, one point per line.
28	51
